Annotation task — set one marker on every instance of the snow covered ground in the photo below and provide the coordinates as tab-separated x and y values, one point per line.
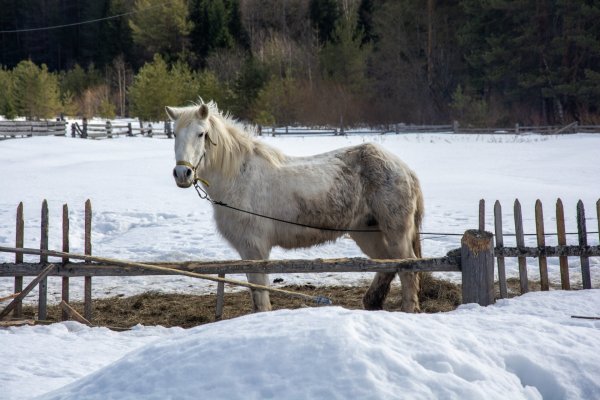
524	348
527	347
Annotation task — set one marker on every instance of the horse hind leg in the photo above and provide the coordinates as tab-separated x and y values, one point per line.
378	246
373	245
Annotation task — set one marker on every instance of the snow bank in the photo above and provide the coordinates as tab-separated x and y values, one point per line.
524	348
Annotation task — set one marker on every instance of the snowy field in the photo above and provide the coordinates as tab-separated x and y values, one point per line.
139	213
527	347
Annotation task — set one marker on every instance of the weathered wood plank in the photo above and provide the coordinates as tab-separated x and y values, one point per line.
500	244
110	267
43	285
562	241
477	260
541	242
482	215
586	278
19	239
523	282
65	260
87	286
73	314
548	251
220	299
42	275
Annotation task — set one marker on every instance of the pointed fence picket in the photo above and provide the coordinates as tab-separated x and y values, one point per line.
542	251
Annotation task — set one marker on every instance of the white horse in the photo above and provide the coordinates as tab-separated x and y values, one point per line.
352	189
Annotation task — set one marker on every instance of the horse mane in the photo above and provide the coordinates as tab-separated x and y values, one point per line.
232	140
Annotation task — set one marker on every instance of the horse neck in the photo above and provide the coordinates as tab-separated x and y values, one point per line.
224	167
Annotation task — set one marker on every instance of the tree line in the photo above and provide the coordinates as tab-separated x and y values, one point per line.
483	63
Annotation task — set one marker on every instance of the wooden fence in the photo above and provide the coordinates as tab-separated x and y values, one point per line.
542	251
474	260
110	129
32	128
409	128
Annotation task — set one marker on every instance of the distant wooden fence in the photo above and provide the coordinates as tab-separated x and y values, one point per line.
111	129
409	128
474	259
32	128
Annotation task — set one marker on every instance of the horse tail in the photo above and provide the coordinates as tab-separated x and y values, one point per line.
418	219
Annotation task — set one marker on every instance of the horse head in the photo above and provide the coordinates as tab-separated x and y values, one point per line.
192	138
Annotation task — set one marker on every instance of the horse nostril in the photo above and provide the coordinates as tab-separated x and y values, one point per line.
174	173
188	173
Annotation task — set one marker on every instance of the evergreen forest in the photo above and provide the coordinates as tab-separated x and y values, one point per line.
480	62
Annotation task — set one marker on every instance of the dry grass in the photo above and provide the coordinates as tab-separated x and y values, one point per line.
154	308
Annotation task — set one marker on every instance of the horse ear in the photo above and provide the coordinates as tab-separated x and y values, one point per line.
203	111
172	112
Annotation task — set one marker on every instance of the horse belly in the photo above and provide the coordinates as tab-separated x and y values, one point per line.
304	237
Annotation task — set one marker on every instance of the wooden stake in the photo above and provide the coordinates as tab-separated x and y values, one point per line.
43	286
524	284
541	242
562	241
73	314
482	215
19	241
220	298
65	260
586	278
87	287
500	244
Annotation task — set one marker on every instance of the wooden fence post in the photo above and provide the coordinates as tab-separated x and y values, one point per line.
520	236
84	133
129	129
482	215
168	130
73	130
108	129
43	285
541	242
500	244
19	238
562	241
65	260
586	278
220	299
477	264
87	287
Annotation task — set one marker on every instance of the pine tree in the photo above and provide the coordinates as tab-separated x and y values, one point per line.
344	57
161	27
35	91
157	85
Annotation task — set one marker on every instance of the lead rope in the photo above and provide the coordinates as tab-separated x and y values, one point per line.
205	196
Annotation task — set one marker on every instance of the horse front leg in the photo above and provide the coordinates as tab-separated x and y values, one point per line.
260	298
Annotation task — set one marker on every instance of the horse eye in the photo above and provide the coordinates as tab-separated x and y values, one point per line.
200	135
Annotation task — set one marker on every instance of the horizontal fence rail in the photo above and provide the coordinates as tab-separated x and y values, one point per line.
32	128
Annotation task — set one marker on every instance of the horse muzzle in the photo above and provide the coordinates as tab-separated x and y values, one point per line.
184	176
